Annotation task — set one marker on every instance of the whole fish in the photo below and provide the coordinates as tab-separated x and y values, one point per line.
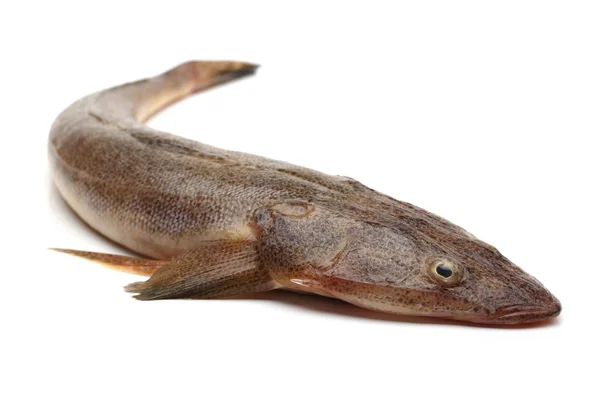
216	223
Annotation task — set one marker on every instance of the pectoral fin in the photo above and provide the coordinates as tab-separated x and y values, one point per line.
217	269
132	265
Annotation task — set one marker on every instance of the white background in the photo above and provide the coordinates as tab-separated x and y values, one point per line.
483	112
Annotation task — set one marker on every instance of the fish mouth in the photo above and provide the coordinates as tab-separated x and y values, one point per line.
525	313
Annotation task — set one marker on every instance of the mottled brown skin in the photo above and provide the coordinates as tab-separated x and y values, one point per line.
225	223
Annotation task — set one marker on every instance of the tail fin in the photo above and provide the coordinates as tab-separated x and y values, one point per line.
185	79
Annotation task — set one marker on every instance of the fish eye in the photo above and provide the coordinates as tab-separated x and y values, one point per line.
445	272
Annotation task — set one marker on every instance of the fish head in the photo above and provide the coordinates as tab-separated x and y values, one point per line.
415	264
426	273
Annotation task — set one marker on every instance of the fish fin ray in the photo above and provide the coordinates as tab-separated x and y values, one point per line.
217	269
131	265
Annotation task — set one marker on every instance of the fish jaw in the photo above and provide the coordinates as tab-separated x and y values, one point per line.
525	314
402	302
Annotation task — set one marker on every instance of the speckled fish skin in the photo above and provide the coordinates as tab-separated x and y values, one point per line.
227	223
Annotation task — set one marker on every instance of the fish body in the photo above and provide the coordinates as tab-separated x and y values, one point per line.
214	223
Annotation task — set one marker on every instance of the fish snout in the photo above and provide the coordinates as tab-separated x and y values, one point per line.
523	313
535	304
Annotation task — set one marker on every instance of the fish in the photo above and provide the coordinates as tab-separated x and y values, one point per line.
211	223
